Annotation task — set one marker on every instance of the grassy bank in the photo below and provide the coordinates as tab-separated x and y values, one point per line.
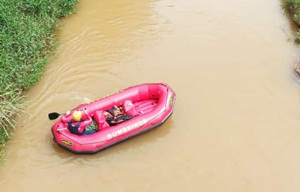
27	38
293	7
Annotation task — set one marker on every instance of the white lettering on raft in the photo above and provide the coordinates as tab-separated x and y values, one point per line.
125	129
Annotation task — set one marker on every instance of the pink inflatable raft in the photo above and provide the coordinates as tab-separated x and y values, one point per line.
149	105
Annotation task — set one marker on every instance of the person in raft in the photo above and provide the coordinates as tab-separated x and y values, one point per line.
77	124
115	115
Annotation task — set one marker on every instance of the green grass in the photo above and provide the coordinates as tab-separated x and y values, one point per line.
27	38
293	7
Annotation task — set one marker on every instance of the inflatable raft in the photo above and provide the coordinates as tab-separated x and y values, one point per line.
149	106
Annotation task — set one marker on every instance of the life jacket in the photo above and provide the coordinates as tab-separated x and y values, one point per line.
114	120
74	128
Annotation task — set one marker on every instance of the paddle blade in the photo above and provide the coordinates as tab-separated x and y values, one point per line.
53	115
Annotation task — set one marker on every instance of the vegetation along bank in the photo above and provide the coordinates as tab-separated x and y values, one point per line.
293	6
27	38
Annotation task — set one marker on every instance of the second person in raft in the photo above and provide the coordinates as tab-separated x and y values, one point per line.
76	125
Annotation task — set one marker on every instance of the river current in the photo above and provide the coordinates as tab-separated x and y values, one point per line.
236	122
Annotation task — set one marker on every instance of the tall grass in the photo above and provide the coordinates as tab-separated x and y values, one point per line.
11	102
27	38
294	9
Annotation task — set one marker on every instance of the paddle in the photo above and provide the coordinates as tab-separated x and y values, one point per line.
53	115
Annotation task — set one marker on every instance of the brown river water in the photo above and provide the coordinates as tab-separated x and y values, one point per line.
236	122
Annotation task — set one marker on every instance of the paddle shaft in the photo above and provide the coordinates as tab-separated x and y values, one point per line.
55	115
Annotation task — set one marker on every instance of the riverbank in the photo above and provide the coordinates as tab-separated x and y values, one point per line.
293	7
28	37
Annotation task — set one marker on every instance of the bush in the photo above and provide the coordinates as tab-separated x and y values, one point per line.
294	9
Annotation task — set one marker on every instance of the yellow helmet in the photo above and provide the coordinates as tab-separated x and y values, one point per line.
76	115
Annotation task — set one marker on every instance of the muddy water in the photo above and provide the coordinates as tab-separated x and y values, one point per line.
236	124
